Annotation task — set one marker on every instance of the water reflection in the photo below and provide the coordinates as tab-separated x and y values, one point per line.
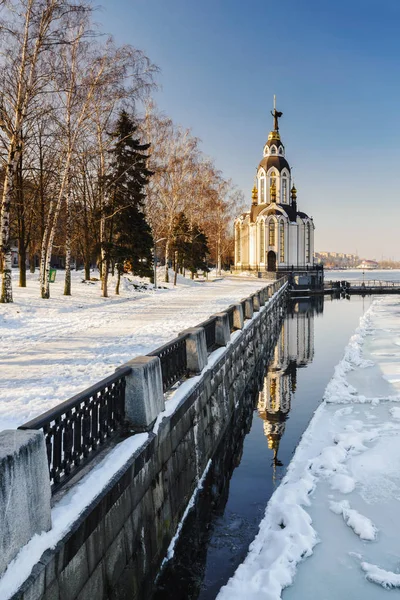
225	519
294	349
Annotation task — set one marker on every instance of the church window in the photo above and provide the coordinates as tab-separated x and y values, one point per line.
273	150
272	183
284	189
271	231
282	242
308	242
262	189
262	242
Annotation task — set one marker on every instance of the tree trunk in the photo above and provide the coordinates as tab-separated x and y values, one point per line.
32	266
22	266
5	242
67	282
87	269
176	268
166	262
118	282
106	268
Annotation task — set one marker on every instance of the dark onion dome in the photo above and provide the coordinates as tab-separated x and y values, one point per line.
302	215
278	162
274	142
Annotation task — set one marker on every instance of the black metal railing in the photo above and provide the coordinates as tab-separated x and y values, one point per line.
209	330
173	361
286	268
76	429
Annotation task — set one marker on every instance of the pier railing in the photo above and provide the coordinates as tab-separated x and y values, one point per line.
173	361
76	430
360	285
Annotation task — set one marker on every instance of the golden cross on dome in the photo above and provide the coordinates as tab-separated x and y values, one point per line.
277	115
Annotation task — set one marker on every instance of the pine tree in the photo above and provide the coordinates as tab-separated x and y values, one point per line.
189	244
130	240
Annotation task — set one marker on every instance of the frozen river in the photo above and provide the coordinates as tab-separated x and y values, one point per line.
331	529
216	536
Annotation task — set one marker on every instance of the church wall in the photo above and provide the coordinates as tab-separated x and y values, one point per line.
300	243
245	245
292	258
253	244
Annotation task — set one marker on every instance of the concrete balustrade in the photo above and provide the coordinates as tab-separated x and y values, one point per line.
196	349
222	329
256	302
24	491
238	317
144	397
248	308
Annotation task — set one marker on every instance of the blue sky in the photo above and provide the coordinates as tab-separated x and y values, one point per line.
335	68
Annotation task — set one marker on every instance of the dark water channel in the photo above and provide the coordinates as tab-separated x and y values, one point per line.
253	456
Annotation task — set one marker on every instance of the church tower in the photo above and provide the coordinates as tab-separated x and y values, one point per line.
273	235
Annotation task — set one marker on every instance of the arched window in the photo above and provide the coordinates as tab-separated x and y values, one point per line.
282	242
273	150
262	242
272	185
284	193
262	189
271	233
308	244
238	245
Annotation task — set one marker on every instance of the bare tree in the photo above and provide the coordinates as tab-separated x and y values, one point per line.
30	29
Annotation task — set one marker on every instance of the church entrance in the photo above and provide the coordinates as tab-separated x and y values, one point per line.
271	261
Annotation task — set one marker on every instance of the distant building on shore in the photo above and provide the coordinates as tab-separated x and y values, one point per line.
368	264
337	260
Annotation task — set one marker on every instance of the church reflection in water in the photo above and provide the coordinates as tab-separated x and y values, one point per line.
294	350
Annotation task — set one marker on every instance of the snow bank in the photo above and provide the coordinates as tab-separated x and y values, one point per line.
362	526
387	579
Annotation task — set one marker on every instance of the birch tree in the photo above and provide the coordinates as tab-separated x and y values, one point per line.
29	30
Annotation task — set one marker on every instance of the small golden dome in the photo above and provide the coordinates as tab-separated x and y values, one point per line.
274	135
294	192
254	193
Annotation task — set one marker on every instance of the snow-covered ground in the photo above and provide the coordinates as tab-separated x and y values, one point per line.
53	349
331	530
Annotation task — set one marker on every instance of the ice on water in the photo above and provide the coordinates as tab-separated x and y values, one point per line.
331	530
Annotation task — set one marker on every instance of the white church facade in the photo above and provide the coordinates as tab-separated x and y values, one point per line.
274	235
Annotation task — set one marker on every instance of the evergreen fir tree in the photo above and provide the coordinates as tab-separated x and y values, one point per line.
131	241
189	245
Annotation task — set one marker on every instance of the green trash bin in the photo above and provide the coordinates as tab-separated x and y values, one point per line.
52	275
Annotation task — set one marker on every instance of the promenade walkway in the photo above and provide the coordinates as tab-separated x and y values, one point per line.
53	349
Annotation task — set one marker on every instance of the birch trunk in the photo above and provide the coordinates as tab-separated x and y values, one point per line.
166	262
67	282
5	247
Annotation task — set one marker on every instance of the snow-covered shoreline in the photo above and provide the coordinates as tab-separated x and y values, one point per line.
53	349
329	492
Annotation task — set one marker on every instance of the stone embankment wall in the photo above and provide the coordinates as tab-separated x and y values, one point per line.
115	549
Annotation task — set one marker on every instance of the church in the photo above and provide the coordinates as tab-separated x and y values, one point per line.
274	235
